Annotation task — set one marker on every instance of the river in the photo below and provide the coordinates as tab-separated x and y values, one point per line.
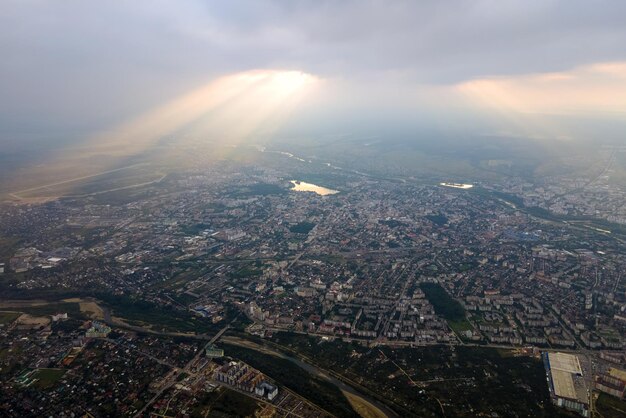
373	403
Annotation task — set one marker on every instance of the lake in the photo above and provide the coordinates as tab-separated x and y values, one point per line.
300	186
457	185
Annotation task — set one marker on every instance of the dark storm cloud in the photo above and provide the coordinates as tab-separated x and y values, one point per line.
77	63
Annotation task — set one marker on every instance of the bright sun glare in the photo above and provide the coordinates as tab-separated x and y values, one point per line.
239	104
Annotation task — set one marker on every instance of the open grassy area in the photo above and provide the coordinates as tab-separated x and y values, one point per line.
47	377
8	317
610	406
71	308
460	326
8	246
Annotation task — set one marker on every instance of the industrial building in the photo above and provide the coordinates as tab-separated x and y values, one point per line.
98	330
566	383
213	352
613	382
266	389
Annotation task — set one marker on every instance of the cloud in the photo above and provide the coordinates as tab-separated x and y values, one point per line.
86	65
587	89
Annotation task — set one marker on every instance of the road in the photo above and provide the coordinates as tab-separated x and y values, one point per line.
171	379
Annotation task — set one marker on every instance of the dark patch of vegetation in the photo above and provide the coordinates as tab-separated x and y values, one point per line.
246	272
466	266
609	406
8	317
443	303
224	403
47	377
160	317
437	219
71	308
290	375
471	381
460	326
391	223
302	227
8	246
67	325
261	189
194	229
516	200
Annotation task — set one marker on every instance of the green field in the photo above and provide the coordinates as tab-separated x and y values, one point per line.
47	377
460	326
609	406
8	317
8	246
71	308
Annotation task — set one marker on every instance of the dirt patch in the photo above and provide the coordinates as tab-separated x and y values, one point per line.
92	310
362	407
89	308
22	303
26	321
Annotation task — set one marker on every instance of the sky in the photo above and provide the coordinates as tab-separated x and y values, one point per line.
143	69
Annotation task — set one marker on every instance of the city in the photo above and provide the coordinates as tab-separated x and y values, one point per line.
236	254
303	209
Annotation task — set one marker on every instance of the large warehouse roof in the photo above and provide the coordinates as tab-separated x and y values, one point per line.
565	362
565	373
563	384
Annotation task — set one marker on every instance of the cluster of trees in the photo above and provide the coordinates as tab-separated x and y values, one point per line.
302	227
290	375
443	303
